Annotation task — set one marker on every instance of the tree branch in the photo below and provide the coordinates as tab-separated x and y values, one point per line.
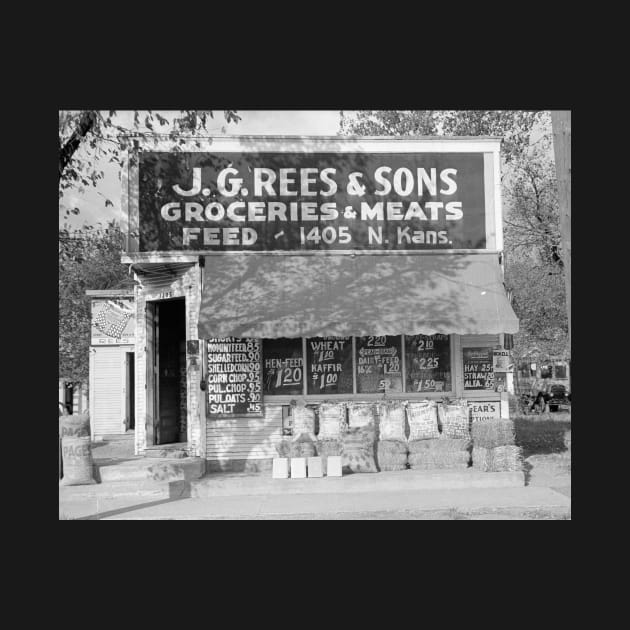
86	123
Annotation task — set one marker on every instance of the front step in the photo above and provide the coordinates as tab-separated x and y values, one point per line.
170	451
156	470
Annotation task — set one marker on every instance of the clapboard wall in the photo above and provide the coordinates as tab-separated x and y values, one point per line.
108	389
244	438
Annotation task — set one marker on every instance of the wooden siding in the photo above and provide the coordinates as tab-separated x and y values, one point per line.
245	438
107	395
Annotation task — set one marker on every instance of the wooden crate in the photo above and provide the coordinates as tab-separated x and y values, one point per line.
280	468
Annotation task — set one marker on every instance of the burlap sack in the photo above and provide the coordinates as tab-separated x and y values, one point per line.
423	422
454	420
332	421
361	414
303	421
392	421
76	425
78	466
357	450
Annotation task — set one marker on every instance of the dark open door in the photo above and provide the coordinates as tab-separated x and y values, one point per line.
171	332
130	390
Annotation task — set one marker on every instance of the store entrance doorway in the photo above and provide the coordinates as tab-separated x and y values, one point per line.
167	366
130	378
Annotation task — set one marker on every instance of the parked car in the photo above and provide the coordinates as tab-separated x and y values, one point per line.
556	395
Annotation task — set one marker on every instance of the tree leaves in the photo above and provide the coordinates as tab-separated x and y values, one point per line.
88	259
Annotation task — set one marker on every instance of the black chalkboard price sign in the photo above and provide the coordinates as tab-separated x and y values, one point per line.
283	367
428	363
478	369
378	364
234	379
329	365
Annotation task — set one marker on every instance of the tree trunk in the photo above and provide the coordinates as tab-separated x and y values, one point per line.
87	121
561	125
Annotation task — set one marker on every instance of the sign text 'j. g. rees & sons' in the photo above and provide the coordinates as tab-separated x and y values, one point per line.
317	201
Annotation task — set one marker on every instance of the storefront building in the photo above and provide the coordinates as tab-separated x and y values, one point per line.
275	270
111	364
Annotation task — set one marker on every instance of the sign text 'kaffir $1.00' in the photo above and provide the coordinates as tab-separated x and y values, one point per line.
317	201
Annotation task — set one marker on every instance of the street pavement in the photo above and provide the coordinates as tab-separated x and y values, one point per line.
257	497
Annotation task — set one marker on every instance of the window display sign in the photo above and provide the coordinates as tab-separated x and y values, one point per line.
378	364
329	365
428	363
310	201
501	361
234	381
283	367
113	322
478	372
484	410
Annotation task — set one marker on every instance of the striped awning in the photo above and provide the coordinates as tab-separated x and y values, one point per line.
249	295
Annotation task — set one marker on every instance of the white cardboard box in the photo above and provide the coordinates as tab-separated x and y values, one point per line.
314	466
333	466
298	467
280	467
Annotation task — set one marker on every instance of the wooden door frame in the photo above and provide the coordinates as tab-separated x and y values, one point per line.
151	386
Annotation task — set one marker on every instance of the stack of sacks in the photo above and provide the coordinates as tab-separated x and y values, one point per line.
494	446
453	419
363	415
332	427
439	453
431	449
357	450
391	448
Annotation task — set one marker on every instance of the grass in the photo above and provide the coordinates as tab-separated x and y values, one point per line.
542	434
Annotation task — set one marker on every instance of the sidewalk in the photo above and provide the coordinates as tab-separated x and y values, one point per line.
403	494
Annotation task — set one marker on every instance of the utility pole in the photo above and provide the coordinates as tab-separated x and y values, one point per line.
561	126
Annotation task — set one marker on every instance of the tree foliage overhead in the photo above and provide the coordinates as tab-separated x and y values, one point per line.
88	137
89	258
534	257
513	126
531	199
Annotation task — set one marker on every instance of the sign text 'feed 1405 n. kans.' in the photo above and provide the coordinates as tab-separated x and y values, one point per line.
310	201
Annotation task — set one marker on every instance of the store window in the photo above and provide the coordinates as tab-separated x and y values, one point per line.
413	364
545	371
560	371
478	368
283	367
329	365
428	363
378	364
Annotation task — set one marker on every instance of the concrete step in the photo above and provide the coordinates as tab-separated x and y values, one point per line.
171	451
155	470
229	484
